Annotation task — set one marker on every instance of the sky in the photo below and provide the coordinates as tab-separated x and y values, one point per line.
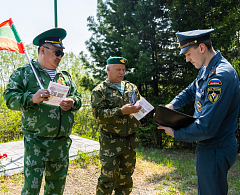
32	17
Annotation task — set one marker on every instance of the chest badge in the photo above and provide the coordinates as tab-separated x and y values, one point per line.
199	106
214	93
114	94
198	94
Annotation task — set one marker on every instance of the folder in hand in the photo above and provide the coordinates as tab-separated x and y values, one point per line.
172	118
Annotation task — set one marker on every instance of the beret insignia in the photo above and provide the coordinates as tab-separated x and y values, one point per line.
123	61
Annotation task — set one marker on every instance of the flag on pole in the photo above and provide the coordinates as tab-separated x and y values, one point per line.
9	38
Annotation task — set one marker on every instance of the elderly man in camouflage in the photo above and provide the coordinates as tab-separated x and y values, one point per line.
112	105
46	128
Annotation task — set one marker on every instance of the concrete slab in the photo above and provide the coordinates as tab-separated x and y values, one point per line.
15	151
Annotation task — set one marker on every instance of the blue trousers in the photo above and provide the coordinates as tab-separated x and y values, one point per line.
213	163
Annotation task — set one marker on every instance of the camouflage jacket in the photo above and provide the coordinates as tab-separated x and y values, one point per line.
107	101
40	119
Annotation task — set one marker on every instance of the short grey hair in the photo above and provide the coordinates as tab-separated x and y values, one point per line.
108	65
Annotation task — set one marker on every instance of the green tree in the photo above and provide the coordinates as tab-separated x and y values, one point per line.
144	31
221	15
137	30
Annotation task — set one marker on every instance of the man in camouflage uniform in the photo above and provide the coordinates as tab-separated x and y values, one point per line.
46	128
113	104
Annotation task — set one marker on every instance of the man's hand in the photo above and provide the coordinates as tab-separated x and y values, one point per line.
169	106
41	95
66	104
129	109
168	130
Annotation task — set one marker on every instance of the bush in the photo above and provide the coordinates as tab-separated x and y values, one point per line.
85	125
10	125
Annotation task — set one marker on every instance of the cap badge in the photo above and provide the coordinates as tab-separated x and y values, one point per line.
123	61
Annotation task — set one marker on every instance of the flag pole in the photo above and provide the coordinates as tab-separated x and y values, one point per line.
55	12
25	51
33	69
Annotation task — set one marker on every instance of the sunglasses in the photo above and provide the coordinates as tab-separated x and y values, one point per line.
57	52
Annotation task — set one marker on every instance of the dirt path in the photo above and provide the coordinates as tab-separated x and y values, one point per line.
84	181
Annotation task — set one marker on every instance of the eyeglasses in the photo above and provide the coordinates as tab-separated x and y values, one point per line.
57	52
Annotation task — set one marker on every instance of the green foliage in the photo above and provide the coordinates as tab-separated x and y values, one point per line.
1	97
144	33
135	30
141	32
85	125
221	15
148	136
84	159
10	124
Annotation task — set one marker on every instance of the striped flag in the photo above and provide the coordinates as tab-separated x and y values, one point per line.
9	38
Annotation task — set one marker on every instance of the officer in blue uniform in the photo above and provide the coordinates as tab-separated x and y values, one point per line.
216	94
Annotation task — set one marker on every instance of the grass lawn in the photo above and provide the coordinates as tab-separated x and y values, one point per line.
163	172
174	171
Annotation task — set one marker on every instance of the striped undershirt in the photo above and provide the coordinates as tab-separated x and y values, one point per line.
120	86
51	73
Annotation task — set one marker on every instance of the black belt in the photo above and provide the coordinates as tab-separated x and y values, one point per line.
116	135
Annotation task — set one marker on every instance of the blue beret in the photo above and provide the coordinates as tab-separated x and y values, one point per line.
188	38
117	60
53	36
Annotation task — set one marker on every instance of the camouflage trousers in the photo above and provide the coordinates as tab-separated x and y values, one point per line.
118	159
50	156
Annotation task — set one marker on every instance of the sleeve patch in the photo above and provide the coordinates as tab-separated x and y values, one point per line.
214	93
215	81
